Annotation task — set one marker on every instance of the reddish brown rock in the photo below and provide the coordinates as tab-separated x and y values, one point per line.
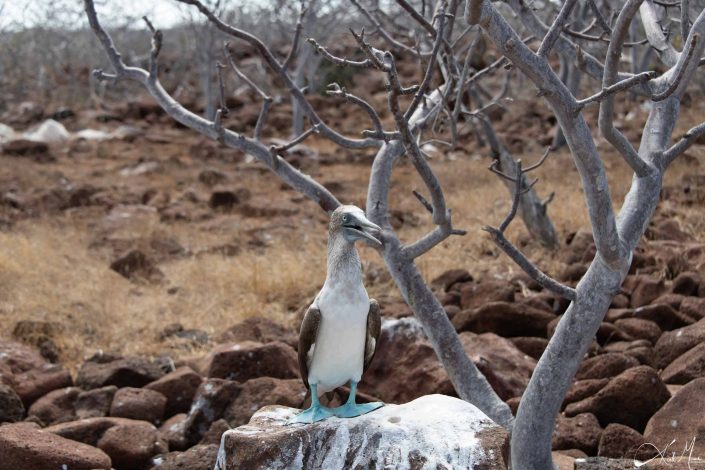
179	387
605	365
672	300
215	432
686	283
260	329
138	403
674	343
56	406
622	442
211	400
630	398
173	432
607	332
135	265
94	403
89	430
405	366
248	360
640	329
263	391
682	419
644	289
686	367
666	317
131	446
199	457
583	389
506	368
23	446
121	372
11	407
34	383
694	307
531	346
448	279
396	309
473	295
505	319
578	432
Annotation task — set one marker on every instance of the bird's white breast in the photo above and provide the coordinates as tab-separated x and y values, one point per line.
338	353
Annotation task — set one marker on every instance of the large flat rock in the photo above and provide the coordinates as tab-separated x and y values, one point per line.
434	431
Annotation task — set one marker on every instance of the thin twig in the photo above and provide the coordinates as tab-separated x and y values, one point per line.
555	30
679	72
617	87
297	37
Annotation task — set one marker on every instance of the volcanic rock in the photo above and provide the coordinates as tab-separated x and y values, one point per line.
138	403
249	359
179	387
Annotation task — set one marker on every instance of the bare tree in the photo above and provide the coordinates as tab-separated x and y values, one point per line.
615	236
426	103
437	47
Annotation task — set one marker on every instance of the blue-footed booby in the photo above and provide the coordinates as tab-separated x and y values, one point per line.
340	329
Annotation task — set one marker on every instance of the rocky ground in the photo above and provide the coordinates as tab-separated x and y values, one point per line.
151	285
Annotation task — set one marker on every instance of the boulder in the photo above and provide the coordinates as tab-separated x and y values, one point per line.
622	442
135	265
32	384
100	371
686	367
449	278
179	387
89	430
582	432
94	403
665	316
605	366
11	407
405	366
686	283
173	432
604	463
249	359
682	419
694	307
18	357
506	368
262	391
24	446
138	403
640	328
630	398
260	329
584	388
199	457
531	346
56	406
474	295
505	319
131	445
212	398
644	289
674	343
433	431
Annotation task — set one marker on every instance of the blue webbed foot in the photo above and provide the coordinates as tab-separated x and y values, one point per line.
312	415
350	410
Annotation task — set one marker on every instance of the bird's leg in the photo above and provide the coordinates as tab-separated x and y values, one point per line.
351	409
316	412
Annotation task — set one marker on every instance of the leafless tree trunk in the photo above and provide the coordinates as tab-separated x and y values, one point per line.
615	237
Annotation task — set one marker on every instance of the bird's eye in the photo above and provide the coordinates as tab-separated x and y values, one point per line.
346	218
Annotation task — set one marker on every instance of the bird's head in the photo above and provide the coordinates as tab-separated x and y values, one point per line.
350	222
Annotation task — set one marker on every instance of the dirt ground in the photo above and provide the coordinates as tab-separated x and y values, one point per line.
224	239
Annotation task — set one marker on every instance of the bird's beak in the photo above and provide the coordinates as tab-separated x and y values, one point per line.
361	228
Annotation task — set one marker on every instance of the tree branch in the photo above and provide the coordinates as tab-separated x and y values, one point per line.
550	39
606	116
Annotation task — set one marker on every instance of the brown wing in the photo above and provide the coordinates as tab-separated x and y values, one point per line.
307	337
374	326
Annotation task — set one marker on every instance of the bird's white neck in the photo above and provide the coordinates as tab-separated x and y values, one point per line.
343	261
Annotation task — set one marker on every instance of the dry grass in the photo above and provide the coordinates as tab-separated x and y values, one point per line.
50	269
